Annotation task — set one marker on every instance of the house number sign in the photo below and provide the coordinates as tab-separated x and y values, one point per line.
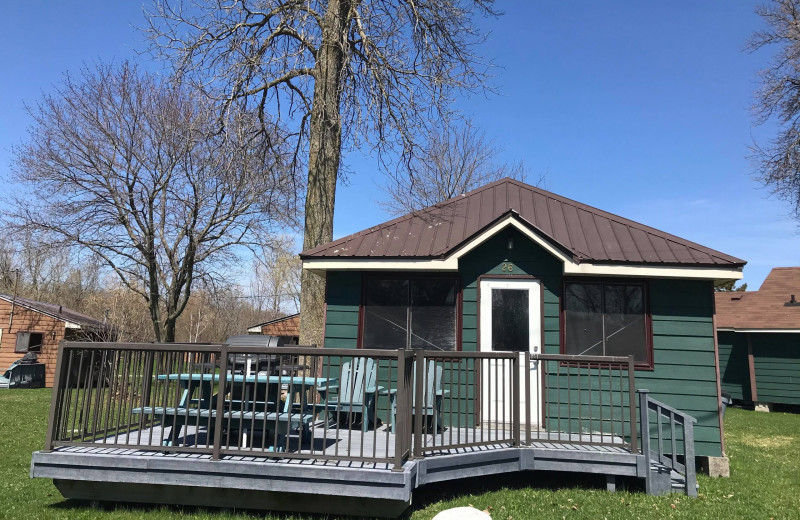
507	268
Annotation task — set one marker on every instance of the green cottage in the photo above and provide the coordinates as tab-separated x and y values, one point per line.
759	341
511	267
504	331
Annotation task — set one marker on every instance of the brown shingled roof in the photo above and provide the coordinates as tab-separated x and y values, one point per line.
766	308
585	233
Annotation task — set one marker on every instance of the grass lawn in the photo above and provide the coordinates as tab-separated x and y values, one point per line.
763	449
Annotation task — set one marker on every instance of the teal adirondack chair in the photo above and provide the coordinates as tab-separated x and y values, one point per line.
432	407
355	393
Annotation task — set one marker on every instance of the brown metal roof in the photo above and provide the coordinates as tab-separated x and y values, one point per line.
586	233
58	312
766	308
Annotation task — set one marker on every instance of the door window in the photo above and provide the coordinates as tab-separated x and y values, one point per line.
510	320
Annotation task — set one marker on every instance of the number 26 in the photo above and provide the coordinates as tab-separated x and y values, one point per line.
507	268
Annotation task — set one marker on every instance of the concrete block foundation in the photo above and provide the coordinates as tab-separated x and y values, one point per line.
714	466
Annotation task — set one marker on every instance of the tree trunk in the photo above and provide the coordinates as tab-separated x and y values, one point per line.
325	145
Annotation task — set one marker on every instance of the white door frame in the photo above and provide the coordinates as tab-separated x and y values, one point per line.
535	342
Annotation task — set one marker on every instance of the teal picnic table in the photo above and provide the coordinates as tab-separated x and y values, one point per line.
242	412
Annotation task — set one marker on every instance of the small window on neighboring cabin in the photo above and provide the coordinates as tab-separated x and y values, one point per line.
29	342
410	313
606	319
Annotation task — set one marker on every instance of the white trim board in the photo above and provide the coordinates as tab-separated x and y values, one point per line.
770	331
571	267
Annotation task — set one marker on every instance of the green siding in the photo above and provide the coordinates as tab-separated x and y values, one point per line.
343	297
776	359
526	258
682	311
733	365
683	342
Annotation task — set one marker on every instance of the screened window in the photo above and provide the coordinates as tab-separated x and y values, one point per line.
410	313
605	319
28	342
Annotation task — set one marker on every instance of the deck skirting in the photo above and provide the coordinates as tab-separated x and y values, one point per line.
106	474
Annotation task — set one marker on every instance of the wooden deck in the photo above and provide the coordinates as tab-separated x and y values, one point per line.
106	440
272	481
342	443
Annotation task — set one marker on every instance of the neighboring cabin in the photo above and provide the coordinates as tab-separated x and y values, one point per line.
512	267
286	328
759	340
32	326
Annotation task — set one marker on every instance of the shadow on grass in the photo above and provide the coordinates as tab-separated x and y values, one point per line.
543	480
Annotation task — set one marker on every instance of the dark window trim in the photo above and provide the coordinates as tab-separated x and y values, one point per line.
648	317
411	276
28	348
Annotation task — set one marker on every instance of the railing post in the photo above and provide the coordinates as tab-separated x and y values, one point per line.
55	398
220	404
644	417
402	437
528	393
419	388
632	401
689	463
515	379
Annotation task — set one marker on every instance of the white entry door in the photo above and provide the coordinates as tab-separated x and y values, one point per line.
510	321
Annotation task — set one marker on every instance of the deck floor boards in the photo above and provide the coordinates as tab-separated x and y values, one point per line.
333	442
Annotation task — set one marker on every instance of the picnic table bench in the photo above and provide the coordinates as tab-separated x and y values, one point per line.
239	414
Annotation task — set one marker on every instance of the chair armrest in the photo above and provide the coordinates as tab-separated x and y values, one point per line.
373	390
327	388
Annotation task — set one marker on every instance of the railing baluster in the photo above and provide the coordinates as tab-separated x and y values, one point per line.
632	402
414	400
689	462
515	401
660	430
528	393
400	409
673	440
644	417
222	356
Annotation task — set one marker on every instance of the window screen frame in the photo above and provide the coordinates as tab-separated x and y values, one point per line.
366	277
28	347
648	364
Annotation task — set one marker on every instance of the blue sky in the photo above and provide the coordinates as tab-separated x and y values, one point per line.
638	108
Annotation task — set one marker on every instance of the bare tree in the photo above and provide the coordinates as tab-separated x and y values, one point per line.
276	277
333	73
456	159
778	99
134	170
122	311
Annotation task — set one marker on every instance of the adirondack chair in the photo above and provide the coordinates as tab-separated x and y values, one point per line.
432	407
355	393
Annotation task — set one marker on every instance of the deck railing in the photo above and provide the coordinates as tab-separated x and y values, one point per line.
495	398
372	406
671	433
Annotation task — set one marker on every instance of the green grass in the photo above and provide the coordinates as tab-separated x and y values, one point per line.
763	448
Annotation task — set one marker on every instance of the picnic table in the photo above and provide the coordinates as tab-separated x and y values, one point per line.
246	409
